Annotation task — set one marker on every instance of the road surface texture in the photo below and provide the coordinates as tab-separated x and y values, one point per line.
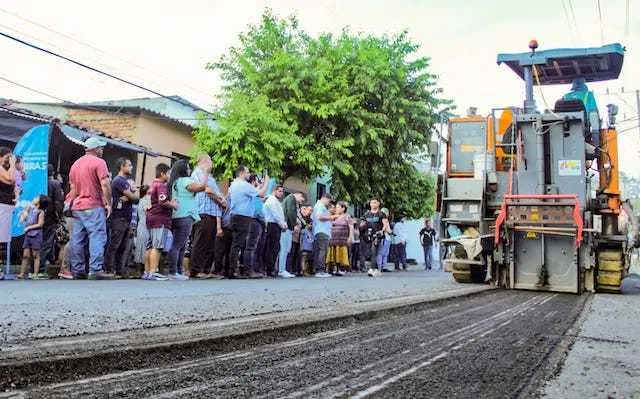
492	344
52	308
604	361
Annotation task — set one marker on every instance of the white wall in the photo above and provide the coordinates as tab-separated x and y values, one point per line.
414	248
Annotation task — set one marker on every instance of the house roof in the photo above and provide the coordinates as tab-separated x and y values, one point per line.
75	133
174	108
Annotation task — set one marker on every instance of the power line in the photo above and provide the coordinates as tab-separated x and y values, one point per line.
83	43
634	109
626	25
32	89
600	19
566	15
85	66
575	21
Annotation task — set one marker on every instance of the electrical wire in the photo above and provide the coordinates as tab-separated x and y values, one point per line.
80	64
575	21
600	20
42	41
88	45
626	25
569	25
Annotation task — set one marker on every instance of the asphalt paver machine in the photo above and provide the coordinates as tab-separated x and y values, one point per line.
530	200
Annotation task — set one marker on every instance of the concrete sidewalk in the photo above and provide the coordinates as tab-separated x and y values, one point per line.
46	309
604	362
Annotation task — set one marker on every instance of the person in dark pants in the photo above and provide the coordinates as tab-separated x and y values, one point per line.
276	224
223	244
210	226
322	221
242	211
124	197
52	218
254	266
295	255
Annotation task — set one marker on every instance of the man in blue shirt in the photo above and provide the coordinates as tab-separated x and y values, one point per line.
210	225
242	194
253	260
321	222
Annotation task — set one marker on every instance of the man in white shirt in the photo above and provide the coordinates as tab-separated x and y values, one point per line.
276	223
400	244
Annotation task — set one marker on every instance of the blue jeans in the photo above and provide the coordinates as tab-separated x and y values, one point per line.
286	239
383	253
90	225
181	229
427	256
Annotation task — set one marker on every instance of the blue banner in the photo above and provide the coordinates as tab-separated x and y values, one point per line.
33	147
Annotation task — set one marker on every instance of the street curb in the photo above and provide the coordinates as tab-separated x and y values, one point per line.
59	359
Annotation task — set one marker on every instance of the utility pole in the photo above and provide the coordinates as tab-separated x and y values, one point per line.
638	107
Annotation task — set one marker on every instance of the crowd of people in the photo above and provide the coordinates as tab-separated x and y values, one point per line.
104	222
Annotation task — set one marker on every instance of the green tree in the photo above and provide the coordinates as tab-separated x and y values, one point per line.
360	106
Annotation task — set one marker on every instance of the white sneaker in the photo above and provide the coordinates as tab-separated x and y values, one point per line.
370	272
374	273
323	275
181	277
286	274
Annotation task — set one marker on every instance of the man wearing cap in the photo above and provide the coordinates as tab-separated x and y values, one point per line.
91	205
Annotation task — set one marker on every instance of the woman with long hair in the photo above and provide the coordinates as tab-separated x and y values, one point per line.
183	189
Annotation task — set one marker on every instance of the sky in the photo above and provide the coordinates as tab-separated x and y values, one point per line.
164	45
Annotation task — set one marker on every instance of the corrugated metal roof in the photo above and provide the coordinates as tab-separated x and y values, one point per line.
74	132
174	108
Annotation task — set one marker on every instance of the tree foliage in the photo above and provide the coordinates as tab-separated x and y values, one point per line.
360	106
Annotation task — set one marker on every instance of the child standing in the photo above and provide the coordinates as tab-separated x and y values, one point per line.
307	251
159	222
33	217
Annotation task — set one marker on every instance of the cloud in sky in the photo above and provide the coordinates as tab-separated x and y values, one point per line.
173	41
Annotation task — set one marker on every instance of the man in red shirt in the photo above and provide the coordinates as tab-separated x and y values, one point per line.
91	205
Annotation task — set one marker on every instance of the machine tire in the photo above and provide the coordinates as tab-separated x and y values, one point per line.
610	271
609	255
464	272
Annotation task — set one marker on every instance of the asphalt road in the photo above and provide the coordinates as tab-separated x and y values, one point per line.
53	308
490	345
